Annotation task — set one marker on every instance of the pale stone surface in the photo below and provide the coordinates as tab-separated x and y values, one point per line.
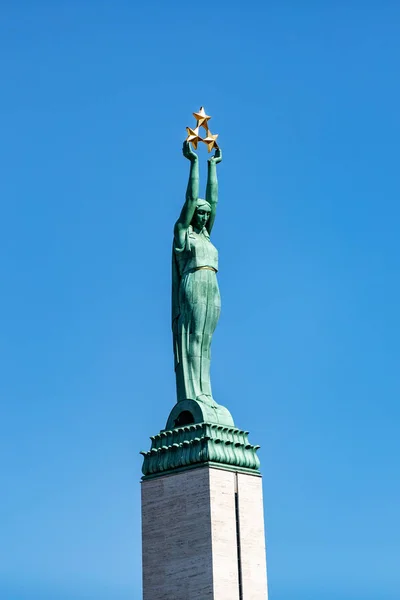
252	537
176	537
190	540
223	532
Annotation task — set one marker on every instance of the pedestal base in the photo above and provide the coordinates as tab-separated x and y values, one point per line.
203	536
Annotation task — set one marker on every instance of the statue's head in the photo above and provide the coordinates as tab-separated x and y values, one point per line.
202	214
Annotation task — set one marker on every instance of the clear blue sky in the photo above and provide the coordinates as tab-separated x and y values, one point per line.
95	97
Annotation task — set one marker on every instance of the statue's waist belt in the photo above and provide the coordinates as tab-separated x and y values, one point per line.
193	269
207	268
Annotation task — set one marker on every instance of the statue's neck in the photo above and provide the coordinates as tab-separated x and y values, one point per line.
199	231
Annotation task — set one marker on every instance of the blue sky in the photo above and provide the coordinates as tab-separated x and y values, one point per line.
94	101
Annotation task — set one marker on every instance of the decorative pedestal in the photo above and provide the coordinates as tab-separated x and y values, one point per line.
202	511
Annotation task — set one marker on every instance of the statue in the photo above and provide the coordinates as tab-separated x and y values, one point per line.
196	302
199	431
195	294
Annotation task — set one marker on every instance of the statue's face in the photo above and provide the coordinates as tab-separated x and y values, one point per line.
201	217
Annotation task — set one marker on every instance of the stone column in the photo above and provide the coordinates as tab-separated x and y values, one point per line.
203	535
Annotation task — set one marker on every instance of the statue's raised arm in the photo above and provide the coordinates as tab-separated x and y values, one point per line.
212	186
192	194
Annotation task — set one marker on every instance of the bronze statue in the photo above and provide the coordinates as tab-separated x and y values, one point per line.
195	294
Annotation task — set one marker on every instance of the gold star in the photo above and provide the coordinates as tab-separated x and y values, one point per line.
201	118
193	136
210	140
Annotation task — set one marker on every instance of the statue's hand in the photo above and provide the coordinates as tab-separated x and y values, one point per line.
217	157
188	152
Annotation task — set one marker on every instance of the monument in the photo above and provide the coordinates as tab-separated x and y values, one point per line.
202	510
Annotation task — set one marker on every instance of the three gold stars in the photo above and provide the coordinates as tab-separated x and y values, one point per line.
193	134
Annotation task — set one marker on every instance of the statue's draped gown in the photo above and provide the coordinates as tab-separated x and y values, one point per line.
196	306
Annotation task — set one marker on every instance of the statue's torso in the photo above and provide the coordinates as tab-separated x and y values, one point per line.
197	252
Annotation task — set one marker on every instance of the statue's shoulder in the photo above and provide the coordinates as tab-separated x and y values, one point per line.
181	244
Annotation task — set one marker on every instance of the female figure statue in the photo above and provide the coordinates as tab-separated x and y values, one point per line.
195	294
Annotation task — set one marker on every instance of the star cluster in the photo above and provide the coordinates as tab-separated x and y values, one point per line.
193	134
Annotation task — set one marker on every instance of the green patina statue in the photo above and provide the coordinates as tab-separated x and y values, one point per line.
195	294
198	430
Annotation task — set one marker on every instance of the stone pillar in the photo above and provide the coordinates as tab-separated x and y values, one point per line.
203	535
252	537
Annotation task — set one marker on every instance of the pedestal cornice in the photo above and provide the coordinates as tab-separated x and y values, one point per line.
201	443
